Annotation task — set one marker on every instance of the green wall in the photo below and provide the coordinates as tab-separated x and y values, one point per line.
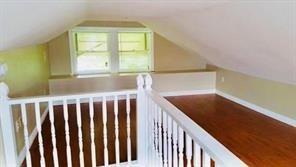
28	70
27	75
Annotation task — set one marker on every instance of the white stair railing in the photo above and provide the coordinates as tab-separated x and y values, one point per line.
168	127
13	159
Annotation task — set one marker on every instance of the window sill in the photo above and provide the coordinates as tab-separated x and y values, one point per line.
126	74
109	74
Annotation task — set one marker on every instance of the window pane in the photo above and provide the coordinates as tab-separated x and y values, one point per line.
134	51
92	52
132	41
92	62
91	41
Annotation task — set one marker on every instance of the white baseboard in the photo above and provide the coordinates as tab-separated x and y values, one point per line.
259	109
22	154
188	92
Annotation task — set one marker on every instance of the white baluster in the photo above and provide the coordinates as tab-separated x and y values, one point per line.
206	159
117	151
175	136
80	139
170	151
150	131
165	148
26	134
152	124
106	158
155	127
39	129
156	135
147	136
159	112
188	150
53	135
92	132
181	146
196	158
128	126
67	133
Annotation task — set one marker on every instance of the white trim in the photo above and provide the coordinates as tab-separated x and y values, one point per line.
259	109
33	135
72	54
152	52
188	92
113	49
107	29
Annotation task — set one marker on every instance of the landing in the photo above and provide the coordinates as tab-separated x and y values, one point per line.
256	139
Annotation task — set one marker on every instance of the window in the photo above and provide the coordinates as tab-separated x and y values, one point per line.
134	49
91	52
111	50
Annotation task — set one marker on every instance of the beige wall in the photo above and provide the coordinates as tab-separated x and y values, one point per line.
59	55
27	75
275	96
167	55
162	82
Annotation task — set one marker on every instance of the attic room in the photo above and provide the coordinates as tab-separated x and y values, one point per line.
148	83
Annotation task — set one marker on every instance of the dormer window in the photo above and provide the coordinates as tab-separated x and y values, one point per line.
111	50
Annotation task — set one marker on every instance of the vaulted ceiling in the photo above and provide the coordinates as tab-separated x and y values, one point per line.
253	37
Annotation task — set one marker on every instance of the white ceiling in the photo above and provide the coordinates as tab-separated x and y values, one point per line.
252	37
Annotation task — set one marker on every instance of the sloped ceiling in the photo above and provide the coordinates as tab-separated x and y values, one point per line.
253	37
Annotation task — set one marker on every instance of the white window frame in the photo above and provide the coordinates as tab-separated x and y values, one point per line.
114	54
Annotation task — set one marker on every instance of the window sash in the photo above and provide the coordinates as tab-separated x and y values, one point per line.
113	48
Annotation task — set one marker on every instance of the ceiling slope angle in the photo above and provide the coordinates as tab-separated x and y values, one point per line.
255	38
27	23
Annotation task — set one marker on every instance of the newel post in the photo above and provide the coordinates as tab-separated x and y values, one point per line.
7	127
142	151
148	82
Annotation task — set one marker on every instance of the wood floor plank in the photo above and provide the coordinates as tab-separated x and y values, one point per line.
255	138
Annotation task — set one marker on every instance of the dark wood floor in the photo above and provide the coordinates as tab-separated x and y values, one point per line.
257	139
